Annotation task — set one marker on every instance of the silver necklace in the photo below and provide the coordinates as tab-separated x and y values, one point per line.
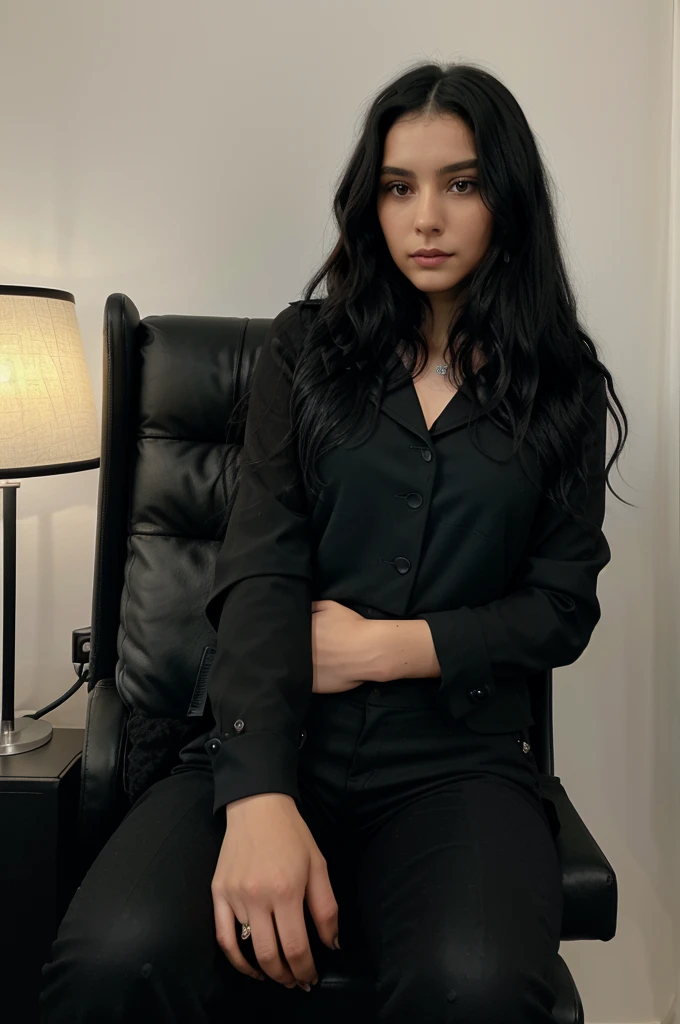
441	369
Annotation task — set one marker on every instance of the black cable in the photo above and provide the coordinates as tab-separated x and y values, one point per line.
83	673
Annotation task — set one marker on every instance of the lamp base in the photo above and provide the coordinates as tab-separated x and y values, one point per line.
28	733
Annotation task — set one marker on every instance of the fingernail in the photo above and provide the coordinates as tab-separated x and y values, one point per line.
336	943
260	977
304	985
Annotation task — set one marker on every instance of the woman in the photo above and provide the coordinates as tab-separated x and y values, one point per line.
417	527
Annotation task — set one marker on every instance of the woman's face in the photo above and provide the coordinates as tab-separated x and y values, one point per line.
421	208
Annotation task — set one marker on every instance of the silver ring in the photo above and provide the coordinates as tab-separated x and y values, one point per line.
245	931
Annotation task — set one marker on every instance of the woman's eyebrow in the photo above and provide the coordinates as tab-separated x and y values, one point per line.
448	169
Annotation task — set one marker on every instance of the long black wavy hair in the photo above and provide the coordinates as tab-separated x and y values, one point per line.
521	314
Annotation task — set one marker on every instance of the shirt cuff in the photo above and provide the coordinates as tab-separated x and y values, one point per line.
467	679
254	763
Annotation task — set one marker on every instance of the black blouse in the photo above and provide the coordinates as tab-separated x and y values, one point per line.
413	523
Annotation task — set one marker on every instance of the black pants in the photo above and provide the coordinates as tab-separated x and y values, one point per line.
439	852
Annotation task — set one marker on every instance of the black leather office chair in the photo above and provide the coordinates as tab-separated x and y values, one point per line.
169	385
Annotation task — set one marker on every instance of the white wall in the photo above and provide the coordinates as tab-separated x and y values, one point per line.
186	155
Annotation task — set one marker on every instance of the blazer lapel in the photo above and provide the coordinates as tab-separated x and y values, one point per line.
401	403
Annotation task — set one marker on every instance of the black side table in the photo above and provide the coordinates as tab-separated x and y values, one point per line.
39	791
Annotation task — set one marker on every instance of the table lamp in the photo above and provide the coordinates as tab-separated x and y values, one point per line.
48	424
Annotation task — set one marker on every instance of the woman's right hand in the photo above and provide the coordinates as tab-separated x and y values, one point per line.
268	864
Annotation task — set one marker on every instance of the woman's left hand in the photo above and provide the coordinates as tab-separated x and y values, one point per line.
339	638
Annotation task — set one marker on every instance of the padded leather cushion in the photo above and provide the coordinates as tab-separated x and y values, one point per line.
184	458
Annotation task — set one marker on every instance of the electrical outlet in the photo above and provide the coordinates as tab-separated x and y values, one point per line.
80	645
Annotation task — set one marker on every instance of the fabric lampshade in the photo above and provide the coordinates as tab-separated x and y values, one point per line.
48	420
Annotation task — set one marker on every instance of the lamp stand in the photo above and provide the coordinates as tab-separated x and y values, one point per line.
23	733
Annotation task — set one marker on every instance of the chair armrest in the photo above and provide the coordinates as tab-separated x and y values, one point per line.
589	882
102	799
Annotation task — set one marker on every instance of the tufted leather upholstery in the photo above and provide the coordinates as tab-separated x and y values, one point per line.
170	383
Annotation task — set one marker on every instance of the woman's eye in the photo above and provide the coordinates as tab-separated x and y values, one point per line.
465	181
458	181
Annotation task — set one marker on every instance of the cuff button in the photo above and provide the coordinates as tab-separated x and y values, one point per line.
303	737
479	695
212	746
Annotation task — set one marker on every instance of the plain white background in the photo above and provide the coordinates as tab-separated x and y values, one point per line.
187	154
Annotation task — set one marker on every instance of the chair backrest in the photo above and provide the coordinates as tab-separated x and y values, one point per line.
167	468
170	385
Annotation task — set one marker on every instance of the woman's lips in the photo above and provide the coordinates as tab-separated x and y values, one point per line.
429	261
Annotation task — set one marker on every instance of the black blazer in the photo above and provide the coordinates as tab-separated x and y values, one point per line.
412	524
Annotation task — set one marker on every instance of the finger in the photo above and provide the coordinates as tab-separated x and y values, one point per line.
292	932
225	933
266	947
321	901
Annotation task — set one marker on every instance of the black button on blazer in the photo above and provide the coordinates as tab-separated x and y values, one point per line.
413	523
